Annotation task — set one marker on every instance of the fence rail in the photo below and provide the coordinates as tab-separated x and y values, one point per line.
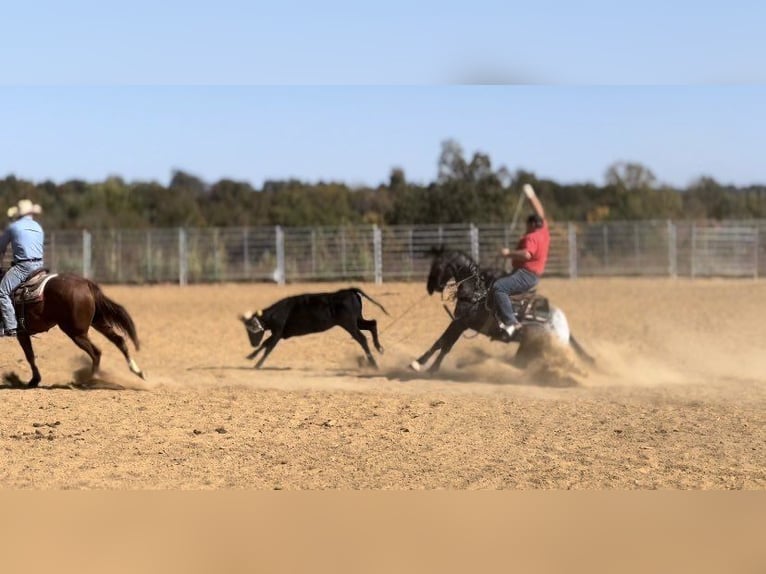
400	253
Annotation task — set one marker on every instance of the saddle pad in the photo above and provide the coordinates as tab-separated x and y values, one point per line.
32	291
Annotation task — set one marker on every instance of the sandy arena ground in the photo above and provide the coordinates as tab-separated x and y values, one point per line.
677	399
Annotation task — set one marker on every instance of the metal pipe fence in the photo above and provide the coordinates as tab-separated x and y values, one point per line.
401	253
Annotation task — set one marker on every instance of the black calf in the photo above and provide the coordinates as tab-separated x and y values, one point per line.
312	313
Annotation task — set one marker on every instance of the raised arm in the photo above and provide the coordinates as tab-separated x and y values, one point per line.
532	197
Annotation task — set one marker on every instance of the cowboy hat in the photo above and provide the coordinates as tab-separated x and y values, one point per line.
24	207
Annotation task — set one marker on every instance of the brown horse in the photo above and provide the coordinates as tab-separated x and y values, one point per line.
74	304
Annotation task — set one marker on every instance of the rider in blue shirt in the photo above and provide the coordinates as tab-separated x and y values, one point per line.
26	238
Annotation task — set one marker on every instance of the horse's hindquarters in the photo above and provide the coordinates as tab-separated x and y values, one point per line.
558	325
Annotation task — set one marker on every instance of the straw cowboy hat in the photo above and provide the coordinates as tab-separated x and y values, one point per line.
24	207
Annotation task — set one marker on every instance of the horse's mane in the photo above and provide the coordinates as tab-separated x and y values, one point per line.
443	254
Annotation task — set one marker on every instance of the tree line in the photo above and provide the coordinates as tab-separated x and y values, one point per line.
466	189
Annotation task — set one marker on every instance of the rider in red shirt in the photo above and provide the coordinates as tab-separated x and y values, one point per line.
535	243
528	260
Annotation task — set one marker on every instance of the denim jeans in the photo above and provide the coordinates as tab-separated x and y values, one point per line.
519	281
14	277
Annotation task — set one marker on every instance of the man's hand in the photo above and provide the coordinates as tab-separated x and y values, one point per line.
517	255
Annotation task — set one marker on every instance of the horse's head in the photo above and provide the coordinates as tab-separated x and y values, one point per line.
448	265
439	274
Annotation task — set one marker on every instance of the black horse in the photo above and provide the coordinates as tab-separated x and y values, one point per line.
472	311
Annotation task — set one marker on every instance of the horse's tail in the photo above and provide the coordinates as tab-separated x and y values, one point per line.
366	296
113	314
582	353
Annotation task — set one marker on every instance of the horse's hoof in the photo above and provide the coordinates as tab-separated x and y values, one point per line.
33	384
381	350
134	368
415	366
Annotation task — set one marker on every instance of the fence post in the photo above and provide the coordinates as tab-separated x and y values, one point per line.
118	255
572	234
694	250
245	254
280	248
343	250
672	249
313	253
149	271
757	246
377	253
183	263
474	235
216	259
87	254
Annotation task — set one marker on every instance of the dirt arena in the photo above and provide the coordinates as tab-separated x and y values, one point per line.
677	399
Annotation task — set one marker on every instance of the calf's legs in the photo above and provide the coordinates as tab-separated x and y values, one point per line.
371	325
354	331
267	346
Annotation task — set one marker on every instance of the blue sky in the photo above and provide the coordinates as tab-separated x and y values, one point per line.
348	90
357	134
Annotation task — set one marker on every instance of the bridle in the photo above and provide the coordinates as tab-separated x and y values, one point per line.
474	273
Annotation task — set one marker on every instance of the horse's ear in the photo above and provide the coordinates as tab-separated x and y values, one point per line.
435	250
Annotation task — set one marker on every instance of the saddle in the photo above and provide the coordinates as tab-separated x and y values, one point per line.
529	306
31	290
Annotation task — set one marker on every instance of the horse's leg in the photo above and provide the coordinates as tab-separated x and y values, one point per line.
26	344
443	344
371	325
119	342
532	345
359	337
448	339
82	341
422	359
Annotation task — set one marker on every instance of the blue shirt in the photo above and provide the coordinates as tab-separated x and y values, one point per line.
26	238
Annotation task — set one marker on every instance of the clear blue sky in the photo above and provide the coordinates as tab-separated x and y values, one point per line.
348	90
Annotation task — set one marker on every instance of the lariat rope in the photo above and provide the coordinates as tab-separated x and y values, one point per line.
392	323
475	275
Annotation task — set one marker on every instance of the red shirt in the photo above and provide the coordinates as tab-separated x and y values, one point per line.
537	244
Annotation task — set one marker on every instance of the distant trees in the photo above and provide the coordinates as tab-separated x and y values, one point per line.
466	188
629	176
